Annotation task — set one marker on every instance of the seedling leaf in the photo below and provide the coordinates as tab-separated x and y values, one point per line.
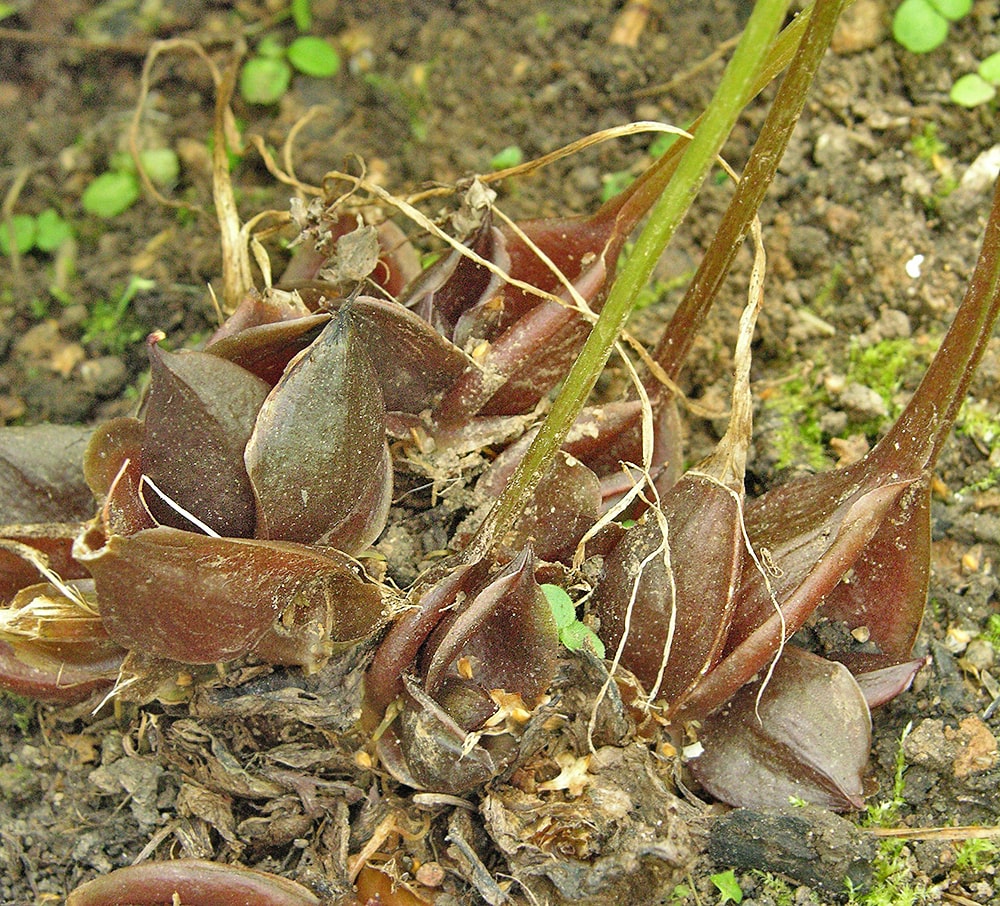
563	610
51	230
919	27
971	90
728	886
952	9
264	80
111	193
989	69
314	57
23	226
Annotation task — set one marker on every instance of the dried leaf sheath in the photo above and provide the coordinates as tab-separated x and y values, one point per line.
200	600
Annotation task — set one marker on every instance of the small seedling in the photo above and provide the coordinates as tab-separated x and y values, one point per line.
266	75
510	156
728	886
114	192
922	25
979	87
105	325
46	232
573	634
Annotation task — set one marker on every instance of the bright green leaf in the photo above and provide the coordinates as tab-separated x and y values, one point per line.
314	57
23	226
563	609
301	14
111	193
578	635
51	230
728	887
162	165
972	90
918	26
510	156
952	9
264	80
989	69
7	9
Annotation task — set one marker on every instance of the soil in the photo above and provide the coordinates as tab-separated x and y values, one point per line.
871	235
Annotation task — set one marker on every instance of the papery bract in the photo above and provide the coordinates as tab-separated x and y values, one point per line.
808	736
318	458
193	882
53	648
198	600
200	413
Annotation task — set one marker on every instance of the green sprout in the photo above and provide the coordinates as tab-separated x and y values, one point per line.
573	634
46	233
107	323
510	156
110	194
979	87
301	11
728	886
922	25
115	191
265	77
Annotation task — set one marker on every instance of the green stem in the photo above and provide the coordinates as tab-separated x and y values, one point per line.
734	91
675	344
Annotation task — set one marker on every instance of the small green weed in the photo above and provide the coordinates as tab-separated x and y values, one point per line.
573	634
115	191
927	146
979	87
728	887
922	25
265	77
108	324
510	156
44	233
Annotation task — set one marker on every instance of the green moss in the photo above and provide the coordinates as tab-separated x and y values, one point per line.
798	438
981	424
976	855
882	367
779	890
992	631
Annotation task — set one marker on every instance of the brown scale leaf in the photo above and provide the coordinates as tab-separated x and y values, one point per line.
809	737
318	458
199	416
198	600
40	475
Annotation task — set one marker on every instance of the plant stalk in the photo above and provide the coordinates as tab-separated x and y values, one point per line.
735	90
672	350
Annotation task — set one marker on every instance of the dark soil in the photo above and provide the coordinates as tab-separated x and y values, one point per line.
429	92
